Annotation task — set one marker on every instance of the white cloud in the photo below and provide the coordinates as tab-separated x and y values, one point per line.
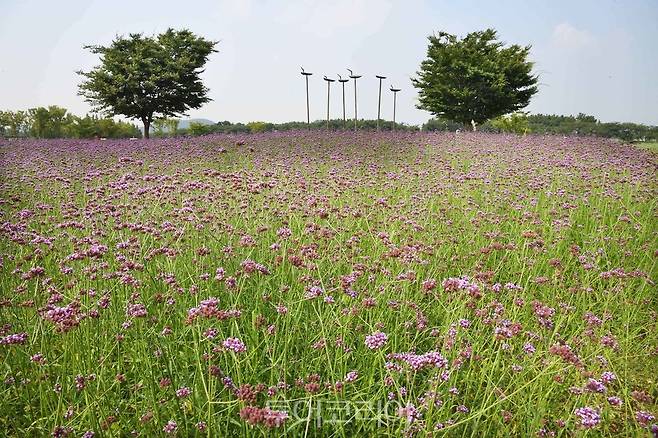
567	36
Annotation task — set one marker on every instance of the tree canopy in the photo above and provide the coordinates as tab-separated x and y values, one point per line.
58	122
474	78
149	77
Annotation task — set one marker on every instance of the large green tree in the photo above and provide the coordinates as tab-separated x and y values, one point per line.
474	78
147	77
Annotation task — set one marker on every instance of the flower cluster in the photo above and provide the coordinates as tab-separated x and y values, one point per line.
64	318
136	310
376	340
235	345
432	359
589	417
16	338
209	308
250	266
265	416
460	259
170	428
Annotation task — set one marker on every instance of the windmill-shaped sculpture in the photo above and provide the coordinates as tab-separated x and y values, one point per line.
379	99
308	114
355	77
329	81
342	81
395	94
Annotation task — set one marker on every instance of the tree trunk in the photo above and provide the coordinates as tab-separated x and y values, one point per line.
468	127
147	126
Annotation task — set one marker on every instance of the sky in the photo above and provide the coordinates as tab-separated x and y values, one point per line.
595	57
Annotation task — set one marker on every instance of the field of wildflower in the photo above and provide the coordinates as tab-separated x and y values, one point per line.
313	284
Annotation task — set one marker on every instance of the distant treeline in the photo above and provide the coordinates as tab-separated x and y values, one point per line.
517	123
57	122
581	124
227	127
588	125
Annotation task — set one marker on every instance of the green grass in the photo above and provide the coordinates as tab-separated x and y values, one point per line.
648	145
570	225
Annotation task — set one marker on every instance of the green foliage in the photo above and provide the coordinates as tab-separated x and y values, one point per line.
4	122
256	127
441	124
227	127
48	122
515	123
165	127
12	124
474	78
57	122
172	126
197	128
92	127
588	125
149	77
581	124
159	127
649	145
38	121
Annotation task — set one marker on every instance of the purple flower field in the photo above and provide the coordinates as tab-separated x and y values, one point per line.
314	284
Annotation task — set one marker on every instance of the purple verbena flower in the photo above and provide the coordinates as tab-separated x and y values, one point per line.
235	345
644	418
376	340
183	392
589	417
170	427
16	338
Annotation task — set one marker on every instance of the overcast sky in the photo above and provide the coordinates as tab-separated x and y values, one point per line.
597	57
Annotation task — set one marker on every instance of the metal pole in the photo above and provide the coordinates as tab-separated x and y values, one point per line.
308	110
394	99
379	100
379	103
343	102
308	113
355	77
328	94
342	81
329	81
395	95
355	113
